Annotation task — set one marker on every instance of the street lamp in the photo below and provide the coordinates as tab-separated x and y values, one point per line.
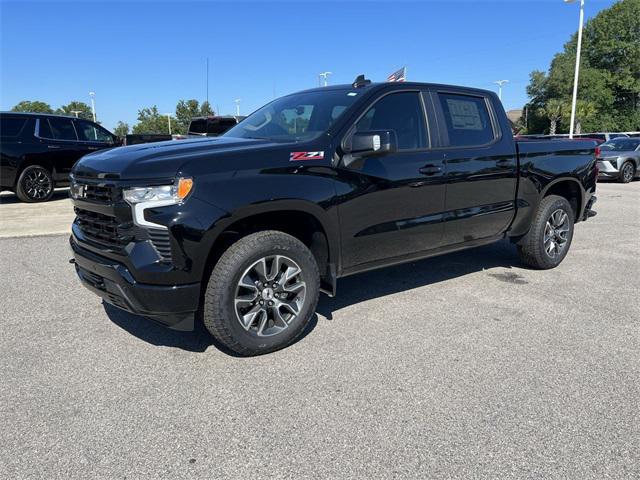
169	120
237	102
577	73
323	76
76	112
500	83
93	104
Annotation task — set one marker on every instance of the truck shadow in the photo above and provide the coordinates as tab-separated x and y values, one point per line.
379	283
351	290
11	198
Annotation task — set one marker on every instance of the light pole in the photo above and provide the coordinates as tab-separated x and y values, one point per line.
577	73
500	83
323	76
93	104
169	120
237	102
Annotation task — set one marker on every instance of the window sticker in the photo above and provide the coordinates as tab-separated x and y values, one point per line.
464	115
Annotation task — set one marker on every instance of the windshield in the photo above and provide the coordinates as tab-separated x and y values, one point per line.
298	117
621	145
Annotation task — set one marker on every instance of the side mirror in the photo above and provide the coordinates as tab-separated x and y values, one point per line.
375	142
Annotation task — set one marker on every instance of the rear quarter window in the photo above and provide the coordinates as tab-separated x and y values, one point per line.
467	120
11	126
198	126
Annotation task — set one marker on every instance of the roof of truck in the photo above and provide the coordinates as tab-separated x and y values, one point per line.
407	85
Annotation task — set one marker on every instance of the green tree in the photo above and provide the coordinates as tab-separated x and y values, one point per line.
84	110
32	106
609	72
122	129
188	109
150	120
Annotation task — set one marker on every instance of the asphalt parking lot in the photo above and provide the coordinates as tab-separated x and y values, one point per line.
464	366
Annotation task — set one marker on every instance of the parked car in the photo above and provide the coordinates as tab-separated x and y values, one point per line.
38	151
249	227
212	126
619	159
605	137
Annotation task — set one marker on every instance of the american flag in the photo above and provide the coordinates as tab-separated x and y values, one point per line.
398	76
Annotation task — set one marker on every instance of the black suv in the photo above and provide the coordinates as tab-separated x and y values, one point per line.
38	151
212	126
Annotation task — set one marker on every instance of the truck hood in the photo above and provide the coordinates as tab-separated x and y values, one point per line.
160	159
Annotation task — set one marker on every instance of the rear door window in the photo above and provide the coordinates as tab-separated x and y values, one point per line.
467	120
11	126
62	129
44	130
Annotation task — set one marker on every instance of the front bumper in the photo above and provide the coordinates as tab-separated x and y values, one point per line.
607	169
171	305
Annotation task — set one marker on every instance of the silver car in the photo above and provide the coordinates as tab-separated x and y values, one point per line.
619	159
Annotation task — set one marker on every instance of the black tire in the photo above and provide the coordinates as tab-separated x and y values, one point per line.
220	315
35	184
533	249
627	172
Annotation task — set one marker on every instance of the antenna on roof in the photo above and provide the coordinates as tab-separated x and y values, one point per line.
361	81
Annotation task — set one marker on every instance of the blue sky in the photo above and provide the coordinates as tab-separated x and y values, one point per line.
137	54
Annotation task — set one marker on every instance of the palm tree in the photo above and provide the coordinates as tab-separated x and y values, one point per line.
585	111
553	111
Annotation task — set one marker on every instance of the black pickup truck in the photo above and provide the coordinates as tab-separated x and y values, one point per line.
245	230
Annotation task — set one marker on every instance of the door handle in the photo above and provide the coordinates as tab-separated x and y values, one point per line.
430	169
504	164
93	148
53	146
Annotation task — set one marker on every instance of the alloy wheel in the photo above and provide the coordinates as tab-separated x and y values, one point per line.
556	233
37	183
627	173
270	295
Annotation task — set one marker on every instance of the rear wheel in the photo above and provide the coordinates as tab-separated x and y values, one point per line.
35	184
627	172
262	293
549	238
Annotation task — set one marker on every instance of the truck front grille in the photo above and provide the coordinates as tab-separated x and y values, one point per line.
102	229
98	193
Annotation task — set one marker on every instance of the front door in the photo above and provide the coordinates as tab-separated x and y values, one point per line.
92	137
391	205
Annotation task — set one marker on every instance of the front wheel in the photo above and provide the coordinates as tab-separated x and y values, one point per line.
35	184
627	172
549	238
262	293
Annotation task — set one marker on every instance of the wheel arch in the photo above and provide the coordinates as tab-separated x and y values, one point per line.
569	188
303	220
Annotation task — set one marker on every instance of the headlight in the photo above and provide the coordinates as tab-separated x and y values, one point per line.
141	198
175	193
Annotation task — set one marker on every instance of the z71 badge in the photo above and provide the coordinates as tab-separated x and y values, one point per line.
297	156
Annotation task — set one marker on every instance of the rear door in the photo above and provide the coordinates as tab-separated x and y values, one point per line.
481	167
59	135
394	205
